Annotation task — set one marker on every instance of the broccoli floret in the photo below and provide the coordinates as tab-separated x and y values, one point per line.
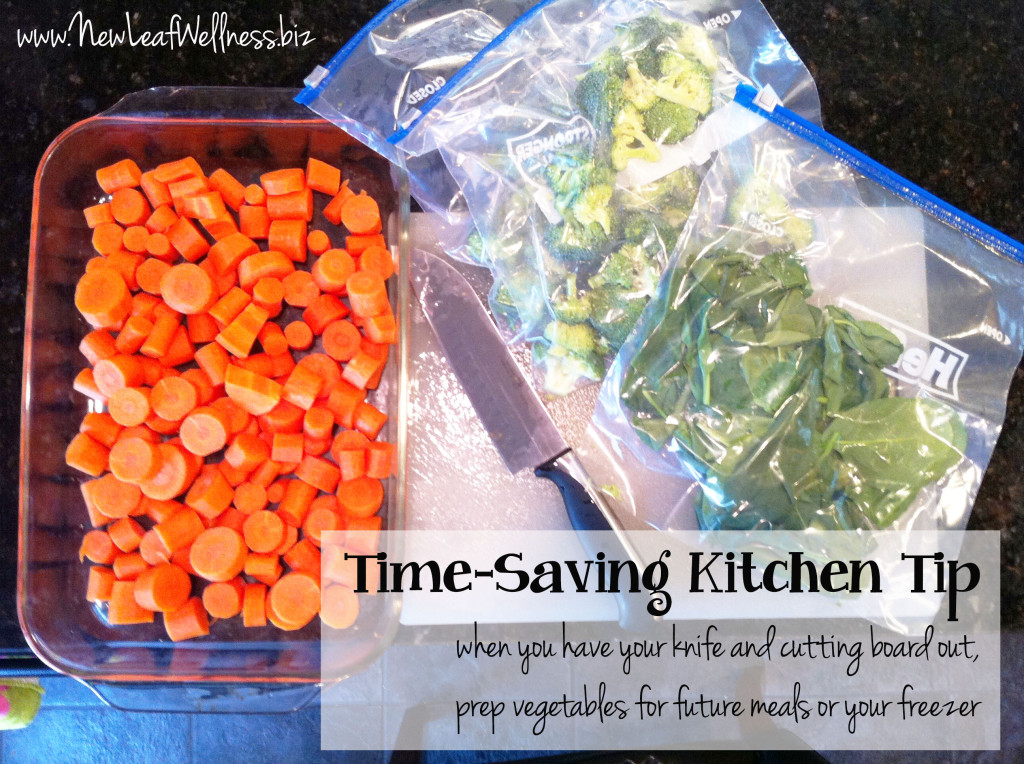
670	197
599	92
614	312
563	371
570	241
474	248
760	198
694	41
594	206
667	122
638	89
629	268
578	339
568	305
630	139
685	81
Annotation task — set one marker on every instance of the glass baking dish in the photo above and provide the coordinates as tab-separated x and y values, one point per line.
246	131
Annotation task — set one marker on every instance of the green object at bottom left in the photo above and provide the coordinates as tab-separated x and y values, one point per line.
19	702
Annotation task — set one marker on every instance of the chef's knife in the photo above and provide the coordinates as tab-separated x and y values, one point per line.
513	414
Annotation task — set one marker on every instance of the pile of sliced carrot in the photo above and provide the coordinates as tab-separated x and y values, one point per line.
230	426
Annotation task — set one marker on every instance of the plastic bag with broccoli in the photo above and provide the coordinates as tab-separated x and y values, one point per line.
578	139
830	347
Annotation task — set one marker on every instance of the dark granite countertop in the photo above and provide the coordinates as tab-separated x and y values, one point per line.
933	90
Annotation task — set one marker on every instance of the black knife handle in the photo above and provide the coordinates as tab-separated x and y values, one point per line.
588	513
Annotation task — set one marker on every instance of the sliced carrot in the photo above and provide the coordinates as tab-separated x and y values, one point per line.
178	169
339	607
223	599
187	240
303	387
172	479
129	207
205	391
101	584
98	213
97	345
160	336
172	398
85	383
332	211
229	188
239	336
202	328
114	498
211	493
295	598
361	215
351	463
156	192
152	549
299	335
361	497
332	270
264	475
161	220
159	510
291	537
134	334
159	246
129	406
255	195
123	174
107	238
204	431
361	368
367	294
341	340
126	534
280	182
318	472
381	329
181	190
102	297
318	242
322	311
234	476
289	237
297	205
135	238
357	245
187	622
256	394
213	359
144	305
298	496
237	417
133	460
377	260
318	520
205	206
250	498
263	531
343	401
318	422
227	253
287	447
122	609
272	338
269	264
128	567
229	306
163	588
98	547
265	568
277	490
268	293
369	420
253	605
247	452
362	534
86	455
380	460
218	554
254	221
322	177
188	289
259	363
100	427
300	289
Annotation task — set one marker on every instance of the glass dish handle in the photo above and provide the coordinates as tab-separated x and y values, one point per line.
206	697
241	103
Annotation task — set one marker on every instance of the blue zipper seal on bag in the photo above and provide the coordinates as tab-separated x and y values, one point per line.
460	75
747	96
308	94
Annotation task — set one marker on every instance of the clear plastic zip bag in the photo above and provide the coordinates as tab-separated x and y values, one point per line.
830	348
578	138
379	81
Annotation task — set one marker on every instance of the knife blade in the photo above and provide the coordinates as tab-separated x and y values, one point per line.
513	414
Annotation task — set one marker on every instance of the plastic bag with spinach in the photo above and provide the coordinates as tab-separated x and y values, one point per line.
831	347
577	138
